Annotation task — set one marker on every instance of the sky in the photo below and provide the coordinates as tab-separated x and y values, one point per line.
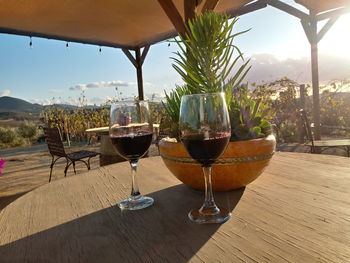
276	45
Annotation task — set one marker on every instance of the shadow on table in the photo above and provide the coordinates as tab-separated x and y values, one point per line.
161	233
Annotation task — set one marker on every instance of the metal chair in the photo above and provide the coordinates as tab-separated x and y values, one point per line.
318	146
56	149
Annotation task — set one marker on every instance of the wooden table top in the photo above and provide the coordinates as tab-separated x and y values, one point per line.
298	210
106	129
331	143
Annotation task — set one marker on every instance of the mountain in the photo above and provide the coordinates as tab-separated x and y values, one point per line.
10	104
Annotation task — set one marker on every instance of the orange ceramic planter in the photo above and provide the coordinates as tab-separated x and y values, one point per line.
239	165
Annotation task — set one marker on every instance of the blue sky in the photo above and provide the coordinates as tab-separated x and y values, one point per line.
276	44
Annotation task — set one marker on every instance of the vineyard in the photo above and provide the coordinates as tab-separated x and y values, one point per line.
280	100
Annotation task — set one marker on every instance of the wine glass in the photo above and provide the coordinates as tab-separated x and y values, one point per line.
205	132
131	134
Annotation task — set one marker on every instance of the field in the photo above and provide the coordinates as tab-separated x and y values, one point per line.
29	168
10	123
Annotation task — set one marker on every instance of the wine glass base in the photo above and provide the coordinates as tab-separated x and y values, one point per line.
136	204
200	218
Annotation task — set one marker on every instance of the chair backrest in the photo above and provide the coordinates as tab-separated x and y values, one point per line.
54	142
306	126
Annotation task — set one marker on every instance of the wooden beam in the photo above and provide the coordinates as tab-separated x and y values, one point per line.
190	9
247	8
307	30
173	14
288	9
325	28
315	80
12	31
144	54
130	57
332	14
139	74
209	5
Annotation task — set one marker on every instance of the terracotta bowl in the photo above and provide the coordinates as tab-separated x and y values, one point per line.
239	165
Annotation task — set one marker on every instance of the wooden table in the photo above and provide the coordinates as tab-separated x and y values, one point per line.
297	211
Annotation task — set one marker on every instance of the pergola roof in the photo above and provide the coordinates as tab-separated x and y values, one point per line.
323	5
118	23
115	23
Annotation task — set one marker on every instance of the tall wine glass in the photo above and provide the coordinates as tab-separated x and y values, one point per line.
205	132
131	134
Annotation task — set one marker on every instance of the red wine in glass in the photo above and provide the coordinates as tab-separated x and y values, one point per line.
131	134
132	146
206	150
205	132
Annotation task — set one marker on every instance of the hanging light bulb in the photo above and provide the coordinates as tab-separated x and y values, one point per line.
67	45
100	50
31	42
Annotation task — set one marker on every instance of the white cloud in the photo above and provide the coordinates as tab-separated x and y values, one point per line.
41	101
5	92
106	84
78	87
266	67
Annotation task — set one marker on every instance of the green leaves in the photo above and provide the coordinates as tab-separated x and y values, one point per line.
205	59
207	62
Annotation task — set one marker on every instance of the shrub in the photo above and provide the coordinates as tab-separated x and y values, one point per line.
7	135
27	130
9	138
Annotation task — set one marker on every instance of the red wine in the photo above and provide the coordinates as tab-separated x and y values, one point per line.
206	150
132	146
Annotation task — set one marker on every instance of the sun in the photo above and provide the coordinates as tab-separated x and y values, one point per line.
337	39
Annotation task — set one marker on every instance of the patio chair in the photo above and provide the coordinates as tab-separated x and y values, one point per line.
56	149
318	146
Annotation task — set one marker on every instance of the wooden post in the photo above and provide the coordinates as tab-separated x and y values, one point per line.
315	80
139	74
301	106
138	62
302	96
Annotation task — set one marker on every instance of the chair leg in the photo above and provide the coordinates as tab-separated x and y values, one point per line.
75	172
88	163
51	167
65	169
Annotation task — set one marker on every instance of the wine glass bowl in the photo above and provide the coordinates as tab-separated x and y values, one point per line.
131	135
205	132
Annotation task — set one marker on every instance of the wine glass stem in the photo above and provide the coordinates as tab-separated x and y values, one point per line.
135	193
209	207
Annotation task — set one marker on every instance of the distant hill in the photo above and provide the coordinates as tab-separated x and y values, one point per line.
10	104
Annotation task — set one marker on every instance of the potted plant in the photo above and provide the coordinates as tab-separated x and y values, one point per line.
205	62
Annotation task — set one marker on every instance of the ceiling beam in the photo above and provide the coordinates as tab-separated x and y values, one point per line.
326	27
247	8
288	9
307	30
173	14
144	54
209	5
190	9
130	57
333	13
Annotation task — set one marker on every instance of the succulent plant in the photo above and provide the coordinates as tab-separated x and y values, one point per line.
206	62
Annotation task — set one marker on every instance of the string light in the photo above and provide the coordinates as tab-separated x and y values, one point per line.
31	42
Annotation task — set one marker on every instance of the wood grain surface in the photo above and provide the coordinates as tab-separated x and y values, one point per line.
298	210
